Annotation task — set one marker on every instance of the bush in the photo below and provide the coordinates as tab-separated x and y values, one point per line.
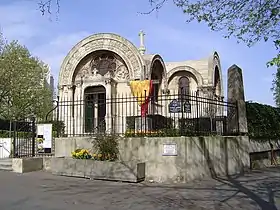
107	146
263	121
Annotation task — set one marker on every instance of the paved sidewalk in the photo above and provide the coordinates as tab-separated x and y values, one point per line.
43	191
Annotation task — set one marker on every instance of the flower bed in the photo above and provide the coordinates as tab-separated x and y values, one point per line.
102	164
131	171
85	154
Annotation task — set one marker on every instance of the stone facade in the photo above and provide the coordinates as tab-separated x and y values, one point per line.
106	63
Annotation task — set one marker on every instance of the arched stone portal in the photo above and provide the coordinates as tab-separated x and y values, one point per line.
102	41
100	60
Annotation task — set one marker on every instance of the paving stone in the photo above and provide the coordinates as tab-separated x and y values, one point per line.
41	190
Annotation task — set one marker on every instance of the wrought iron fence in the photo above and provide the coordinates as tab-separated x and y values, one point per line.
161	115
23	137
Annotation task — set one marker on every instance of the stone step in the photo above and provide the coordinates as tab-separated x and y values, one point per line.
6	164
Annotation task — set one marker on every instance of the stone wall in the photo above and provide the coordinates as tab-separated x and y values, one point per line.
196	157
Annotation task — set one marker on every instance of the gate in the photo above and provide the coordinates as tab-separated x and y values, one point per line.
17	139
24	133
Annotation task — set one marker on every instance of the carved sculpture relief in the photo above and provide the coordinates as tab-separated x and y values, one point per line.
103	66
122	73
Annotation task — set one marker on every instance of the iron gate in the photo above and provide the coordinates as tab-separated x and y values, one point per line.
24	133
17	138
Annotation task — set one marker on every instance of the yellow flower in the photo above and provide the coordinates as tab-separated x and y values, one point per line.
94	155
99	155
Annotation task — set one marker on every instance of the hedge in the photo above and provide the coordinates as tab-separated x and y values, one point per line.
263	121
58	130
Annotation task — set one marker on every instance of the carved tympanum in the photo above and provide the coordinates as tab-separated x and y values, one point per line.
104	65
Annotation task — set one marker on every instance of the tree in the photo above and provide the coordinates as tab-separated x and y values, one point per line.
23	89
248	21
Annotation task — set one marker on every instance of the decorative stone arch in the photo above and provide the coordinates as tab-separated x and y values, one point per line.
189	69
214	67
101	41
164	73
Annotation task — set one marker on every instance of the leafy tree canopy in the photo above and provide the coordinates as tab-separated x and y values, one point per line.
23	88
250	21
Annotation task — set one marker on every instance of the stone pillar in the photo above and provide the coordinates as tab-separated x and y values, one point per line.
78	110
69	111
108	118
237	119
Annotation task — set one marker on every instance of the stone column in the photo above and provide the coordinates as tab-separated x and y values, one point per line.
78	109
237	119
108	118
69	111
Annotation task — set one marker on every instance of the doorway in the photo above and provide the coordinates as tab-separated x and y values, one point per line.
95	109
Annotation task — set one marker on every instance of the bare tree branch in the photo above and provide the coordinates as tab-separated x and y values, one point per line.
46	6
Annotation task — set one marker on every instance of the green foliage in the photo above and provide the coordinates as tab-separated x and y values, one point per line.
248	21
23	89
263	121
107	145
8	134
276	87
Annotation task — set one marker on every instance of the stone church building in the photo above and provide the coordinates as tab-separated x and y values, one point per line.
102	66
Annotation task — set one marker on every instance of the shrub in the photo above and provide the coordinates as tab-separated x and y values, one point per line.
263	121
107	146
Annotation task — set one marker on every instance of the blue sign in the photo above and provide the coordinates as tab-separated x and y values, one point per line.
175	106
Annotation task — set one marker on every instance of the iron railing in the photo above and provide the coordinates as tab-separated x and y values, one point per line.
165	115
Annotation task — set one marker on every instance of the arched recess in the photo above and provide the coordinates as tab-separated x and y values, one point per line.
196	75
185	79
217	82
215	71
102	41
158	73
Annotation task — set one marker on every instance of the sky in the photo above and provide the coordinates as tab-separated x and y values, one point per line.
51	37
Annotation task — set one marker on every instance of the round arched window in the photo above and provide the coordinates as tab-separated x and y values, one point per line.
184	87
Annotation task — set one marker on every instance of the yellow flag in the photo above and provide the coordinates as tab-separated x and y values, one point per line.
140	89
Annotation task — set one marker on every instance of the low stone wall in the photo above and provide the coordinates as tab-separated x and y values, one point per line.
23	165
130	171
262	159
47	163
191	157
256	146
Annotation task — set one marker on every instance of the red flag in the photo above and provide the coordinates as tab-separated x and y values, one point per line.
145	106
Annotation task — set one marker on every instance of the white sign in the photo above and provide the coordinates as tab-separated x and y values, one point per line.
5	147
44	131
169	149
